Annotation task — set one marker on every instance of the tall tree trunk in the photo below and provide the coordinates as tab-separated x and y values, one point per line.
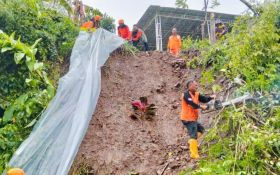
212	33
205	18
54	3
250	6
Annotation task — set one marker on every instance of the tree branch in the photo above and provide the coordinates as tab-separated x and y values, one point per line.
250	6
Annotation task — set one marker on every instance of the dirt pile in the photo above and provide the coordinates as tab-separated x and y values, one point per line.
116	144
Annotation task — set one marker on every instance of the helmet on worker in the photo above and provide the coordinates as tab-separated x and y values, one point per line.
98	18
15	171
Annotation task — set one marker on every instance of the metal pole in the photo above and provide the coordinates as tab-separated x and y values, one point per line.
158	33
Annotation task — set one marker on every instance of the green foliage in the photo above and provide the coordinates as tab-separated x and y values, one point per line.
181	4
81	167
107	21
128	50
244	140
189	43
251	51
215	3
26	91
216	88
90	12
207	78
57	31
241	147
193	49
15	76
62	3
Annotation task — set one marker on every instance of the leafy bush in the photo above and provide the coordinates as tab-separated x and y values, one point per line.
251	51
107	21
191	50
57	31
27	91
188	43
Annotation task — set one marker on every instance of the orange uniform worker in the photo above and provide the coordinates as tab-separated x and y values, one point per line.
137	36
174	43
123	30
92	24
15	171
191	100
97	21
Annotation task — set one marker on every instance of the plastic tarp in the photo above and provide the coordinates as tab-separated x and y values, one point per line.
54	142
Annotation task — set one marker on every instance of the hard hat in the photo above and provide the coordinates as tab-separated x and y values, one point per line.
15	171
121	21
98	18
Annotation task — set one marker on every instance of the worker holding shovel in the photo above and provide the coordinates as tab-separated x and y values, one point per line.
191	100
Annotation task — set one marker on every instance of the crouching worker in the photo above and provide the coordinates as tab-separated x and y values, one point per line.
92	24
138	35
191	100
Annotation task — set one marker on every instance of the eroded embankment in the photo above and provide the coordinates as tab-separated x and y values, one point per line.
116	144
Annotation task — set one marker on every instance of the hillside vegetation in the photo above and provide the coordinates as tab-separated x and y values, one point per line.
34	41
244	140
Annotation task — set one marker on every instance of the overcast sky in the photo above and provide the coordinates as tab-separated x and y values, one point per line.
132	10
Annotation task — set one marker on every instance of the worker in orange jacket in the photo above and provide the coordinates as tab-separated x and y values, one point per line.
138	36
191	100
97	21
174	43
92	24
15	171
123	30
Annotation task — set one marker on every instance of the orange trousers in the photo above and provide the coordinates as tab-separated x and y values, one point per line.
175	52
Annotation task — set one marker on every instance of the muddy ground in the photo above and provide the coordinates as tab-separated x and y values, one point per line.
115	144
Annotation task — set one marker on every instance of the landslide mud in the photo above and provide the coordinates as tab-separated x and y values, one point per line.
115	144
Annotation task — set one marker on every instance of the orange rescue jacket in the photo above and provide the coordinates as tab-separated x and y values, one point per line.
136	35
174	43
123	31
87	25
188	113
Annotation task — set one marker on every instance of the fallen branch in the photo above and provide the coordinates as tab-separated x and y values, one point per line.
250	6
252	116
215	124
165	167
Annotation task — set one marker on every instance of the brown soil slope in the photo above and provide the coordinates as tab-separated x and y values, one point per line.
116	144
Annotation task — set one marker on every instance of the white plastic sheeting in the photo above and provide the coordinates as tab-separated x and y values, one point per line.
54	142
